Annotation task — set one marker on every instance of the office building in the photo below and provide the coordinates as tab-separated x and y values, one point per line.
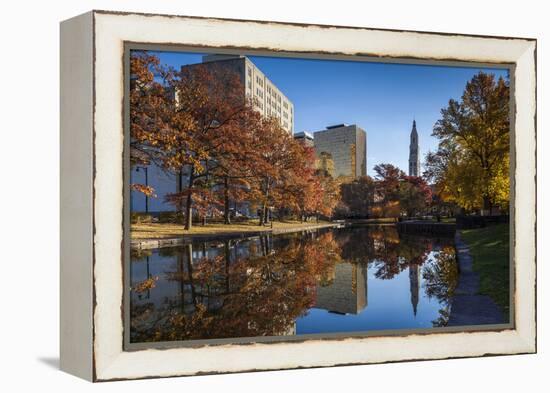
267	98
346	145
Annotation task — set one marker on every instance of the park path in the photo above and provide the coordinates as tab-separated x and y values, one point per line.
468	306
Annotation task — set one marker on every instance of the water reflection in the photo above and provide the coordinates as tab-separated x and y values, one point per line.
336	280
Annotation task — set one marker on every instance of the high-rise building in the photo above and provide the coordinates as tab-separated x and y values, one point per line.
347	147
414	154
268	99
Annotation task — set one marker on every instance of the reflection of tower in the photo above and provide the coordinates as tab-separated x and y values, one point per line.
414	273
347	292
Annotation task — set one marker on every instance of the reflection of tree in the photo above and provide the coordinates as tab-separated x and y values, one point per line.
389	252
440	280
260	286
235	296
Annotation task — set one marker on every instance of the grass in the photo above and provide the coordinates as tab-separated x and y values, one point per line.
490	249
167	230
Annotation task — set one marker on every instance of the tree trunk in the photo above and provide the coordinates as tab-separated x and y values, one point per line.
486	206
189	203
226	218
180	188
263	213
266	214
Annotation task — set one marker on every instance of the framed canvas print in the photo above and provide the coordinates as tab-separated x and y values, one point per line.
247	195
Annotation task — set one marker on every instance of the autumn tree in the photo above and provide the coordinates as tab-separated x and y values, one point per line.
471	165
237	156
277	162
149	112
388	179
415	195
329	192
196	124
208	109
358	196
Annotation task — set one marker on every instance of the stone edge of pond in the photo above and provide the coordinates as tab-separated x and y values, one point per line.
468	307
147	244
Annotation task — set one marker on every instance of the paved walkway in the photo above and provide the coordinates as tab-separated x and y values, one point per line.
469	307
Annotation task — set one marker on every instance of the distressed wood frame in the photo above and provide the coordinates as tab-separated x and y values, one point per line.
92	184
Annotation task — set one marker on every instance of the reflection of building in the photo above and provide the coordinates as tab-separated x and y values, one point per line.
347	293
304	138
414	280
414	157
347	146
268	99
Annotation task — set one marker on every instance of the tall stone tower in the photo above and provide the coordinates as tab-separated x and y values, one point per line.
414	160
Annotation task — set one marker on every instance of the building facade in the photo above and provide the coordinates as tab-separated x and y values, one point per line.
304	138
414	153
347	147
267	98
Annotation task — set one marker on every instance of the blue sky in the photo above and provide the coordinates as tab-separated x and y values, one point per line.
381	98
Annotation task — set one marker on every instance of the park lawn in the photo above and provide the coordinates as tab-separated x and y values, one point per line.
490	247
168	230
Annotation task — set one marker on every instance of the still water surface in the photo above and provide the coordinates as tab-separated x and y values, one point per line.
352	279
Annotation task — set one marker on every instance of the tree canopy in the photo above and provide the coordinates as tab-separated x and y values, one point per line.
471	165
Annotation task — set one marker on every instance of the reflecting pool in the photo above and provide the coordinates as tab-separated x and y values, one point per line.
352	279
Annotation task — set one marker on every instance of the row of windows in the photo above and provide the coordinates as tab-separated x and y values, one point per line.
270	91
272	107
259	81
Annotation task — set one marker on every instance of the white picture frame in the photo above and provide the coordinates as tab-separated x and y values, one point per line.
92	197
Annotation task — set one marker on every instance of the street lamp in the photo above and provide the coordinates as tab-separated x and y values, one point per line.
144	168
